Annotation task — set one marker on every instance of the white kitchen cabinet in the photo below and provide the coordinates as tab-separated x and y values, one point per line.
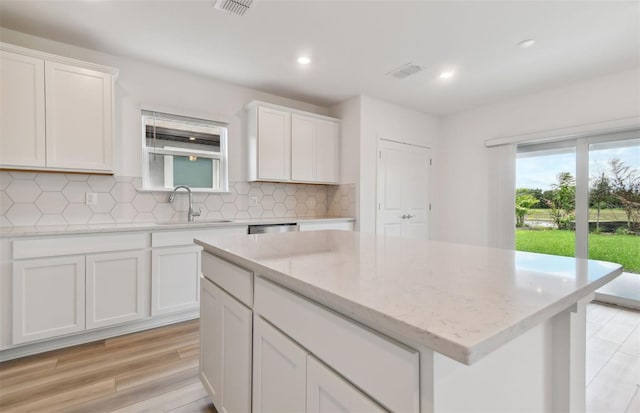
327	392
23	117
175	274
314	149
48	298
116	284
320	225
279	371
303	148
273	141
327	151
79	106
288	145
225	363
57	112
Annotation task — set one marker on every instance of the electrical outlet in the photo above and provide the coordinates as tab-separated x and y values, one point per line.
91	198
253	200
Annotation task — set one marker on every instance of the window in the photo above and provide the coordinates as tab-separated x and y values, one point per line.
180	150
581	197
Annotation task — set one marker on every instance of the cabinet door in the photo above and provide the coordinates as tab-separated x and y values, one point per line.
274	144
279	371
116	284
22	111
79	118
211	340
175	274
225	349
328	151
328	392
303	148
48	298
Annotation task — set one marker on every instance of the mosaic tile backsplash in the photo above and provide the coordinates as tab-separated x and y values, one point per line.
28	199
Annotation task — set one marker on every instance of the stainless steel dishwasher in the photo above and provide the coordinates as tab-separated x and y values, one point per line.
273	228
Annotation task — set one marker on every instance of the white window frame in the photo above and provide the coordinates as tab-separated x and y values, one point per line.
221	177
581	146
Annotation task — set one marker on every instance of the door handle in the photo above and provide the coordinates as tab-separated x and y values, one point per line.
404	216
410	216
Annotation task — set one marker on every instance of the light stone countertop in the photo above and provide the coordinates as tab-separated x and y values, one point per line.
11	232
458	300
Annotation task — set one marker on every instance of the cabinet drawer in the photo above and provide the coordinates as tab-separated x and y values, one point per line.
381	367
318	226
56	246
186	237
235	280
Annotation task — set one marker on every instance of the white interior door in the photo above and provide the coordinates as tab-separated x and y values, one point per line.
403	190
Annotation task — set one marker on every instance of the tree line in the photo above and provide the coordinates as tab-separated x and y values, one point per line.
618	187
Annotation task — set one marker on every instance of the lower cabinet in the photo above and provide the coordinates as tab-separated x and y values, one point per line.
48	298
279	371
286	378
63	295
324	225
175	279
225	349
116	284
327	392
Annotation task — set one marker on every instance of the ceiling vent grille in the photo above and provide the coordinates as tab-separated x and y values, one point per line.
405	71
238	7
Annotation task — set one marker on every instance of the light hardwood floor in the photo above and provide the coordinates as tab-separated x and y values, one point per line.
151	371
156	371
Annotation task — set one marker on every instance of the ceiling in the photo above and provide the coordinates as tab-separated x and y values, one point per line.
354	44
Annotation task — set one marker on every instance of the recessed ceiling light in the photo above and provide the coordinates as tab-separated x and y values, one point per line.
304	60
527	43
446	75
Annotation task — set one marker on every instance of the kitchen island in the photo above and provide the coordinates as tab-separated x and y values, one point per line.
338	320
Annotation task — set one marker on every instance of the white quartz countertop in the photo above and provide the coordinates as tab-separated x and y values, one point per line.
461	301
6	232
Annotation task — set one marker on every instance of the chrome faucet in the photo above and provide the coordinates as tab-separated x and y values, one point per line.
191	212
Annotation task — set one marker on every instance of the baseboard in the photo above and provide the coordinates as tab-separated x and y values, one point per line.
93	335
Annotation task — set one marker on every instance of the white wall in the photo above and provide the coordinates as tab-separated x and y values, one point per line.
142	83
385	120
461	208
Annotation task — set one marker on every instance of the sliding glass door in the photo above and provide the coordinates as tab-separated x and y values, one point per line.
581	197
546	198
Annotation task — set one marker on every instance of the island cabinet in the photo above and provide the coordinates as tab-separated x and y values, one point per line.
68	285
288	145
225	358
275	351
57	112
373	324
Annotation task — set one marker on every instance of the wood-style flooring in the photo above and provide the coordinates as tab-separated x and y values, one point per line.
157	371
151	371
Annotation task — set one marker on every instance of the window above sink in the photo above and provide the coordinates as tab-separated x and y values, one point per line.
181	150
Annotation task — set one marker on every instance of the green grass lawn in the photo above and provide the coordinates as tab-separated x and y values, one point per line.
605	215
622	249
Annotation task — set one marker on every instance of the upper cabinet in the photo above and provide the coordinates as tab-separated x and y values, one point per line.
287	145
57	113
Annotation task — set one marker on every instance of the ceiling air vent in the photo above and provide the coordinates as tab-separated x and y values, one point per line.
238	7
405	71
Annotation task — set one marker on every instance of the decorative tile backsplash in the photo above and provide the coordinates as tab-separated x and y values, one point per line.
28	199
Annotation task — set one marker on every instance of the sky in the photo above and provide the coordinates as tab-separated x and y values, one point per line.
541	171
